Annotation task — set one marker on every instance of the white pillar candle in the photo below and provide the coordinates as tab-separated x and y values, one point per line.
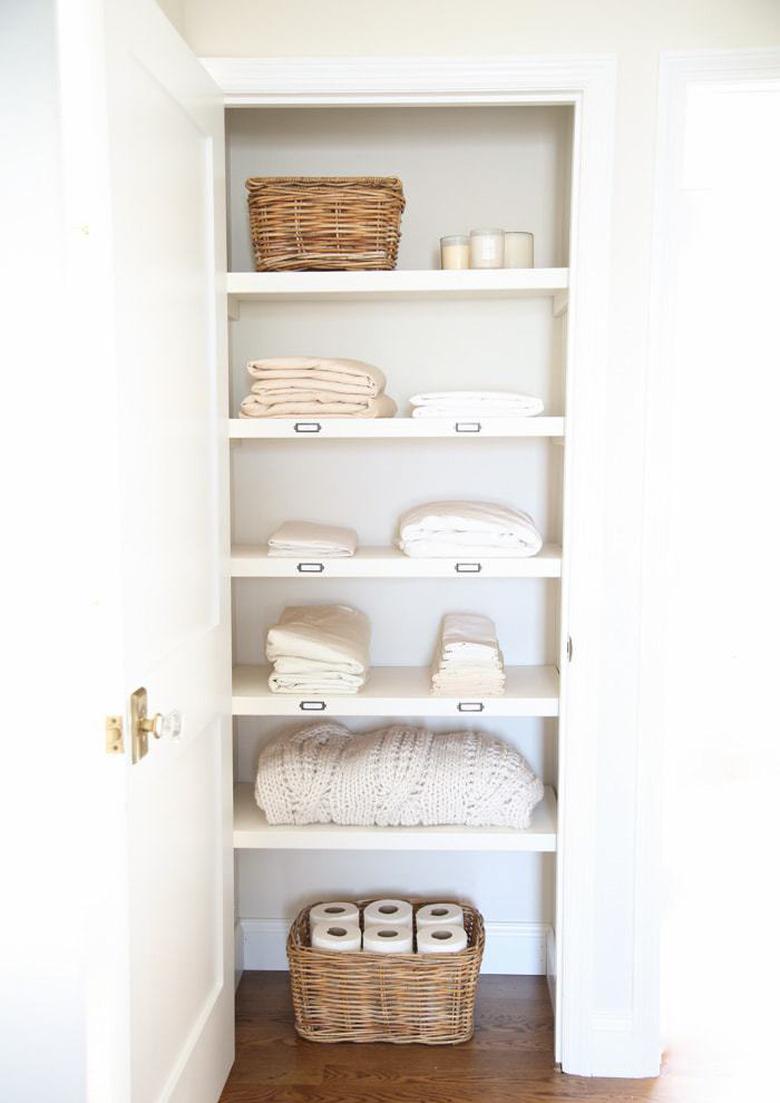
455	251
518	249
486	248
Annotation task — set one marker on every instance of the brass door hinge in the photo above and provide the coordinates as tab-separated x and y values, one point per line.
115	743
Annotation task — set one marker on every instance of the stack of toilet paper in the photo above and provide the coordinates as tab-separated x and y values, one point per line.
388	927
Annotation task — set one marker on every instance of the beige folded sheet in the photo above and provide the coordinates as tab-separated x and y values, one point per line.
311	404
309	386
302	371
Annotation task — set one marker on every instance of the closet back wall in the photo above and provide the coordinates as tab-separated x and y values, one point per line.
462	168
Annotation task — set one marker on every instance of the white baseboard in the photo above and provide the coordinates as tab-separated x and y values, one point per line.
515	948
239	951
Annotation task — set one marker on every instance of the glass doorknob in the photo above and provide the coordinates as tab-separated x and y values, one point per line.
167	726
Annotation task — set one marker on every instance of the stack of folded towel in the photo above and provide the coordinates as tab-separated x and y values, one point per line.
475	404
311	386
468	660
302	538
319	649
480	529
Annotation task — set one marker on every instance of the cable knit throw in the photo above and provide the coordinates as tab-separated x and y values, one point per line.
395	776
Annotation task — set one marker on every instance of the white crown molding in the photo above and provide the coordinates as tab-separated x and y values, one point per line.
318	80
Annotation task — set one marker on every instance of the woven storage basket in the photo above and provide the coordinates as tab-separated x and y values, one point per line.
362	997
325	223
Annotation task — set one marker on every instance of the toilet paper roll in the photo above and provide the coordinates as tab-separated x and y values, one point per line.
441	940
333	910
388	911
336	936
439	915
388	938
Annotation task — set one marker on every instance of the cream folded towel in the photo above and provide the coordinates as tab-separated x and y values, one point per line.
319	648
303	386
318	405
468	660
483	530
465	404
297	538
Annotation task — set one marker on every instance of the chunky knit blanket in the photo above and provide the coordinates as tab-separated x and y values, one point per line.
395	776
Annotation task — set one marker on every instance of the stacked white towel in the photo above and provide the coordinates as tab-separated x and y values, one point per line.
468	660
319	649
475	404
483	530
302	538
314	386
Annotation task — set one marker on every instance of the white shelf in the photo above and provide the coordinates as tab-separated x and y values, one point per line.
251	831
392	428
497	283
255	562
399	691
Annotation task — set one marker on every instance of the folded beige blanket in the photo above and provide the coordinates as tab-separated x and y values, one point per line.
306	386
319	648
318	404
302	371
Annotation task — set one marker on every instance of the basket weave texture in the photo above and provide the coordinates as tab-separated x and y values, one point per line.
325	223
362	997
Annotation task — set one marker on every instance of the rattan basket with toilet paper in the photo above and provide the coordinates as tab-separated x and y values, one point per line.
362	997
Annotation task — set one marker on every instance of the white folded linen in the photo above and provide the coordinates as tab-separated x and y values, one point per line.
465	404
301	538
468	659
483	530
319	648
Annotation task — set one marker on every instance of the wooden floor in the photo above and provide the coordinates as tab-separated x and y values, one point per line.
510	1059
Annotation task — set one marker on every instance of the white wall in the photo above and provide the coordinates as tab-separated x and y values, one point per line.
636	31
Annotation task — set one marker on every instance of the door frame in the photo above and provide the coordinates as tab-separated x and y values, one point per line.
587	83
679	70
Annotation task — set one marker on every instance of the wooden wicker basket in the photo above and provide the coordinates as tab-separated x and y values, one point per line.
325	223
360	997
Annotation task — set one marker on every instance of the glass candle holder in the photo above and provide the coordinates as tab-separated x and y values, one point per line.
455	251
486	248
518	249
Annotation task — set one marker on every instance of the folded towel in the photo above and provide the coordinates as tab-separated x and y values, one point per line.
306	386
465	404
395	776
319	648
301	538
318	405
468	659
301	371
480	529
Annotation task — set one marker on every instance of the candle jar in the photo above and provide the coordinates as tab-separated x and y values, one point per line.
486	248
518	249
455	251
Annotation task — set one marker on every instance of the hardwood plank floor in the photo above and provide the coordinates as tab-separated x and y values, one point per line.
509	1060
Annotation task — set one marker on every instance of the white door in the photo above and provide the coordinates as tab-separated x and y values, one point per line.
161	1018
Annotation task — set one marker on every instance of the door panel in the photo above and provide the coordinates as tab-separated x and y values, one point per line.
165	149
